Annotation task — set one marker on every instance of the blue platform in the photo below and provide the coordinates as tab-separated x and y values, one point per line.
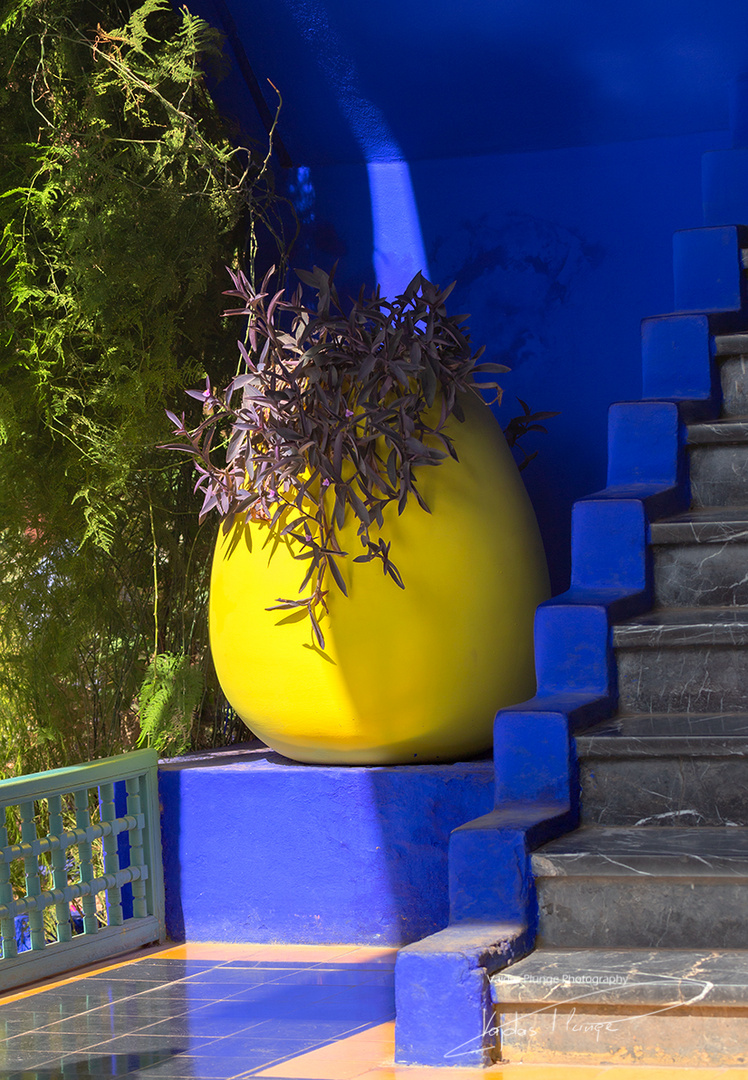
258	848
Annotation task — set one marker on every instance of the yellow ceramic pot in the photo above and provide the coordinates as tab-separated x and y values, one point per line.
407	675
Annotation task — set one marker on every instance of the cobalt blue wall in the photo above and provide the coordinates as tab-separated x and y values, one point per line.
432	78
542	154
558	255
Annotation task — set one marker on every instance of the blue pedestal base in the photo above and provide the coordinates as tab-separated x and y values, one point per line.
261	849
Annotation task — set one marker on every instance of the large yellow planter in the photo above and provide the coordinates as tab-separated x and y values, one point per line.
407	675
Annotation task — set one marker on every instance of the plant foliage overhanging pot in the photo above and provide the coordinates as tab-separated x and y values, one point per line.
366	607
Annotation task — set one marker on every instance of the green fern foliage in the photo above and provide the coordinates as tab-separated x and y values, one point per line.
122	199
169	700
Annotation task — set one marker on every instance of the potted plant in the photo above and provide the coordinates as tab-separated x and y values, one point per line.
376	575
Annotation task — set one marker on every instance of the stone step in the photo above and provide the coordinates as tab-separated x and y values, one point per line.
624	1006
665	769
718	462
683	660
701	557
731	351
644	888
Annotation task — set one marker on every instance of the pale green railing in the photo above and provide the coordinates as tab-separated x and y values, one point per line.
48	852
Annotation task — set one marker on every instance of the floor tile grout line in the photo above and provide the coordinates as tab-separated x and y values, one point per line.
210	1040
143	1031
217	965
105	1005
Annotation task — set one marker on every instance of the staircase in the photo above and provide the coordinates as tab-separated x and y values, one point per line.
617	849
642	944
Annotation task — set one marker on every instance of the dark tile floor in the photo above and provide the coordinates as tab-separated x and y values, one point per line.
197	1019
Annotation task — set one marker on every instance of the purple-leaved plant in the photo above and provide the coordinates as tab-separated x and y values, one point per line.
333	412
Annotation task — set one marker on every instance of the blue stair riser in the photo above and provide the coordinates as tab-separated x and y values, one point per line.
708	269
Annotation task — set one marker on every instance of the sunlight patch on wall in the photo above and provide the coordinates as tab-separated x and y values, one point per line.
398	242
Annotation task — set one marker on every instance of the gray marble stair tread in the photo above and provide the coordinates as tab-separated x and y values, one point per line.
595	851
731	345
658	977
646	735
703	525
720	432
665	627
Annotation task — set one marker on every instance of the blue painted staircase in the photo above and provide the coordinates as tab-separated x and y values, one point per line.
639	931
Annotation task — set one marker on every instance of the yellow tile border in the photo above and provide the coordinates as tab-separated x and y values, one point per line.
213	950
492	1072
666	1072
544	1072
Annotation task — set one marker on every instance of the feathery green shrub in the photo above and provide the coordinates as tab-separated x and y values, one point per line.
122	198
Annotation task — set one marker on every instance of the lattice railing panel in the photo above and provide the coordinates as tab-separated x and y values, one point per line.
71	846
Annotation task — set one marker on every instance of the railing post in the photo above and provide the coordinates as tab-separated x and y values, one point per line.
111	856
7	926
59	869
88	901
31	870
123	845
137	855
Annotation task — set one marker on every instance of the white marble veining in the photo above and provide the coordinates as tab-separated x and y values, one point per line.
685	626
729	431
619	976
672	852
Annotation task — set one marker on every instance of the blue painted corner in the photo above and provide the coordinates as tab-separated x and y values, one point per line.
489	862
442	993
707	269
533	756
676	360
608	545
571	648
644	444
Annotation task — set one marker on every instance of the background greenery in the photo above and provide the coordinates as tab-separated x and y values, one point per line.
122	199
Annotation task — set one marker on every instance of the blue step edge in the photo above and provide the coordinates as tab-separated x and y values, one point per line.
442	992
445	1016
676	355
